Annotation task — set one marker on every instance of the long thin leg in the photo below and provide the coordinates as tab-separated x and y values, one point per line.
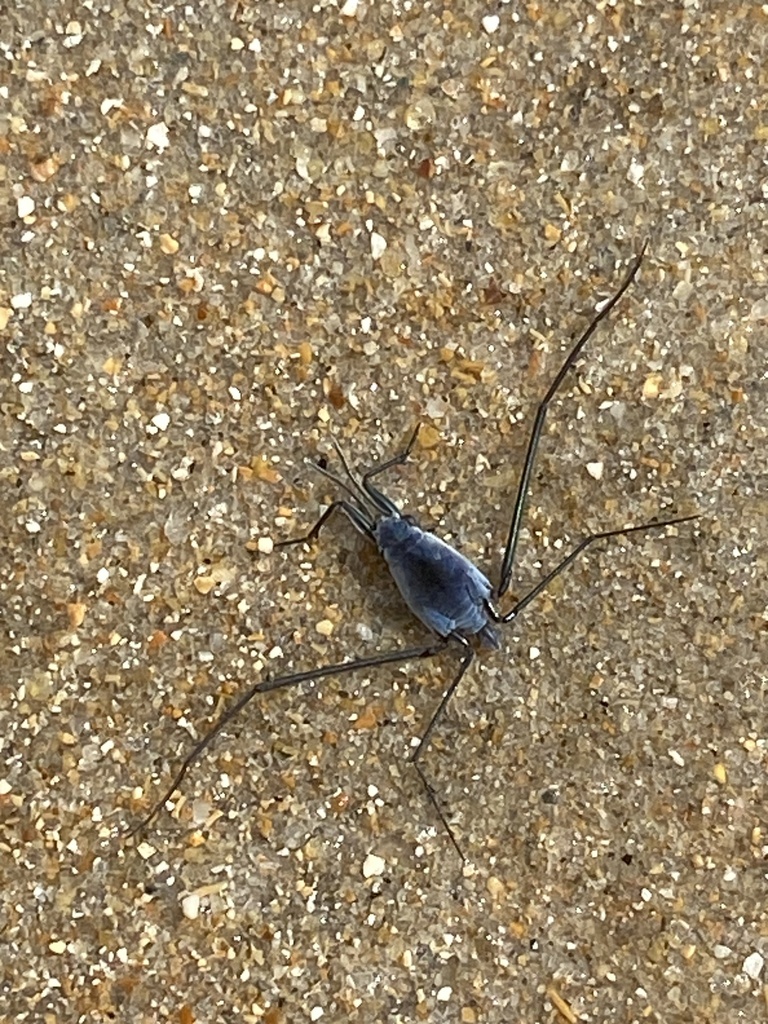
355	516
507	562
387	507
396	460
388	658
361	490
466	661
570	558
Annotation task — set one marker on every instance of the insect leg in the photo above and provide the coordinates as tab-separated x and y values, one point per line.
570	558
396	460
507	562
360	521
279	683
381	501
466	661
362	490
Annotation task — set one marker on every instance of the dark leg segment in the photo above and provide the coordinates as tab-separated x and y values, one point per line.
466	661
396	460
382	502
355	516
507	562
279	683
362	490
570	558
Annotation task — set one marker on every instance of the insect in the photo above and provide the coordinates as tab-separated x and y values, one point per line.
444	589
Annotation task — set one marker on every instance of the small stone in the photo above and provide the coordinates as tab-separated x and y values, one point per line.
682	291
495	887
265	545
595	470
76	612
444	994
491	23
753	965
720	773
759	310
168	244
652	386
378	245
190	906
721	952
57	946
110	103
324	627
161	420
157	136
373	866
25	206
44	169
636	173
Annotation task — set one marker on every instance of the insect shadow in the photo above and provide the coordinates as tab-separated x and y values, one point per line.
443	589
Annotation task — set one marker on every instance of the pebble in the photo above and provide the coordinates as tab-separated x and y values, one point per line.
373	866
190	906
378	245
753	965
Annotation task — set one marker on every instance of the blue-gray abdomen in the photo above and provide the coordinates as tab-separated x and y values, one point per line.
441	587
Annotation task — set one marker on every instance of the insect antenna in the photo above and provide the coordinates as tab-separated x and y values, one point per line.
350	485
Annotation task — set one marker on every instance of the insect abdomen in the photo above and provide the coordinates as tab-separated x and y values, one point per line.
441	587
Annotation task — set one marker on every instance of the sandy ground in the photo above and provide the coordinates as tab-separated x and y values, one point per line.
230	230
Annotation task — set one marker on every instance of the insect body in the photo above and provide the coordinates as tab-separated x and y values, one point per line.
447	592
441	587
